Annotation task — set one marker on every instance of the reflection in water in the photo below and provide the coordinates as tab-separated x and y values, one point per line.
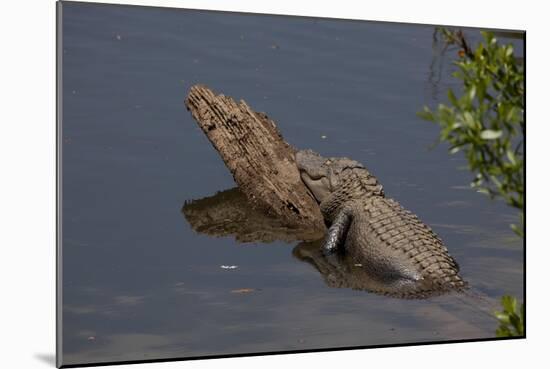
228	213
342	271
439	48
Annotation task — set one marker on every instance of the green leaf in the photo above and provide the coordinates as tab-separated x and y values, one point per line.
454	150
452	97
503	317
468	119
517	230
426	114
511	157
509	51
490	134
471	93
513	114
483	191
509	303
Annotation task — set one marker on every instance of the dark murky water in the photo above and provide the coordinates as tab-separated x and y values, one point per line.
139	283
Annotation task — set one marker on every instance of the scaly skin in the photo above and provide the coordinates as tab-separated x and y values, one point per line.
391	244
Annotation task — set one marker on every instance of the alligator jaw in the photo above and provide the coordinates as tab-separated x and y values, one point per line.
319	188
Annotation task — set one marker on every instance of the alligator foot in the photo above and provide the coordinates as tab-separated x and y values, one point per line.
337	232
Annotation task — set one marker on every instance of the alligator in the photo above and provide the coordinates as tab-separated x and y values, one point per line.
400	254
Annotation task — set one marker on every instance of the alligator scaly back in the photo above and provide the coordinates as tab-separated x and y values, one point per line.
393	246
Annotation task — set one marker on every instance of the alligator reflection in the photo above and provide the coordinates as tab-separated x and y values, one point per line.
342	271
228	213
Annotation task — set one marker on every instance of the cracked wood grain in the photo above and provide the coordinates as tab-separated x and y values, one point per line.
260	160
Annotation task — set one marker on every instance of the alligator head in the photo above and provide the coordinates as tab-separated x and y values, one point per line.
322	175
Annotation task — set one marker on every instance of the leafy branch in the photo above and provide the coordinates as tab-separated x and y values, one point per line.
487	121
512	318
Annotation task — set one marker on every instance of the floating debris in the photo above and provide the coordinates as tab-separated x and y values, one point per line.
91	338
323	137
358	265
228	266
243	290
119	37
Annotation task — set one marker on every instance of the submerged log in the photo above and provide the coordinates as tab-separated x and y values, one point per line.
261	162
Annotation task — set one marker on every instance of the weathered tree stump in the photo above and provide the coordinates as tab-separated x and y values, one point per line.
261	162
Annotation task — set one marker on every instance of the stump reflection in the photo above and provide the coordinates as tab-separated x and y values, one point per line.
229	213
